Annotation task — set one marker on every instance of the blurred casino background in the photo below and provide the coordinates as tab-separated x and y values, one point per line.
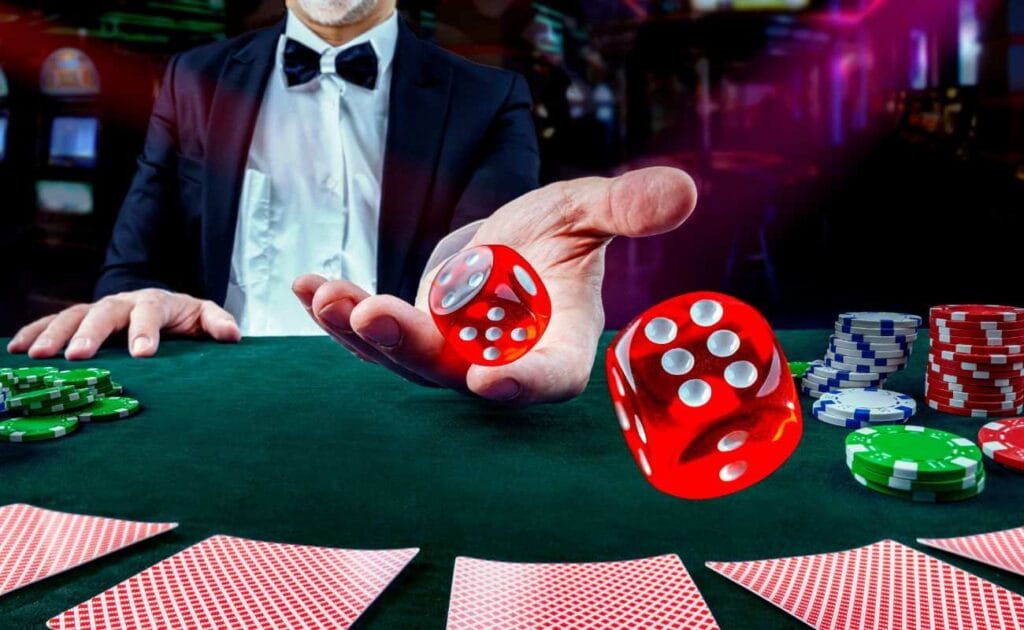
862	154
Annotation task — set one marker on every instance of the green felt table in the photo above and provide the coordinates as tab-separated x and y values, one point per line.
293	440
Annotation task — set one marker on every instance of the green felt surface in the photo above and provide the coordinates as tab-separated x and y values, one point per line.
293	440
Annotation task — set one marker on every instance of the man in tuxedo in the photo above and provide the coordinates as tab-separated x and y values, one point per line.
340	144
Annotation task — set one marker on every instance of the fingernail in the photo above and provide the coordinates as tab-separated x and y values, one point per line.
336	315
42	342
505	389
383	332
141	344
80	343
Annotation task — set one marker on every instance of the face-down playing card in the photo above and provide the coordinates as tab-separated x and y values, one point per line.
649	593
883	585
36	543
1003	549
228	582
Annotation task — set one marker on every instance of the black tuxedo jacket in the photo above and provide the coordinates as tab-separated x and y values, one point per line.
460	143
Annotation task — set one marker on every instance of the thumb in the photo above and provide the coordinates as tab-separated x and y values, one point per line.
218	323
645	202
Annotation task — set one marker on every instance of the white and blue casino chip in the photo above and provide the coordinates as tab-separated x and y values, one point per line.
853	359
838	384
908	338
868	354
818	368
869	404
862	369
864	346
879	319
848	423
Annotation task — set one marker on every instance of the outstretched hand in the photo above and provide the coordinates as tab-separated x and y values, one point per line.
562	230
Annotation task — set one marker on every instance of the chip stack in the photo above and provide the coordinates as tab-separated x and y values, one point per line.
915	463
855	408
50	403
865	348
976	363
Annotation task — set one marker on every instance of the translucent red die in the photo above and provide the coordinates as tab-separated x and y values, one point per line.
704	396
489	304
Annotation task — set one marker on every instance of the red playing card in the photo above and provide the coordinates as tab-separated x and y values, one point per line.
1004	549
227	582
37	543
884	585
649	593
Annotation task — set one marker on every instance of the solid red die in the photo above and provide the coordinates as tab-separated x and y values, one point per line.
489	304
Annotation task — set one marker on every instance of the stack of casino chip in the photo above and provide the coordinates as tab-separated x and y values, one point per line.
856	408
915	463
1003	442
48	403
976	362
864	349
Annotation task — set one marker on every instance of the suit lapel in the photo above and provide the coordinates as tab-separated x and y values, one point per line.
416	119
233	111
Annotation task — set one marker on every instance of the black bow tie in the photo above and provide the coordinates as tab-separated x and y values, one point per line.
357	64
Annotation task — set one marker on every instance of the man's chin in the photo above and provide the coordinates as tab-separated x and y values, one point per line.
337	13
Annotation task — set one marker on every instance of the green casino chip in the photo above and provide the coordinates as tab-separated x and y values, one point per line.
38	428
71	403
28	375
101	391
8	378
105	409
82	377
37	398
913	452
22	388
799	368
909	485
928	497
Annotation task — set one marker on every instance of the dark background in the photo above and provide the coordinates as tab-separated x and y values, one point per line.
862	154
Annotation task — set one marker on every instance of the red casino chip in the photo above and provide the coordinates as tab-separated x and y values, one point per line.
996	361
939	391
978	335
1003	442
977	313
938	397
978	349
988	375
970	386
972	412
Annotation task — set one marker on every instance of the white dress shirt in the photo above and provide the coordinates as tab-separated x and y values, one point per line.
310	199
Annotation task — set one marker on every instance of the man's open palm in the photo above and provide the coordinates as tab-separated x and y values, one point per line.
562	230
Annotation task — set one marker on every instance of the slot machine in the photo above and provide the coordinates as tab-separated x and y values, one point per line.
68	140
65	174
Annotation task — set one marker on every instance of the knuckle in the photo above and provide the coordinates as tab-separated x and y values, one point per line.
106	304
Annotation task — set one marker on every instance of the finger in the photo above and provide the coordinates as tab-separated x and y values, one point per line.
556	369
218	323
24	338
51	341
639	203
147	319
103	318
305	287
332	309
332	306
408	337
